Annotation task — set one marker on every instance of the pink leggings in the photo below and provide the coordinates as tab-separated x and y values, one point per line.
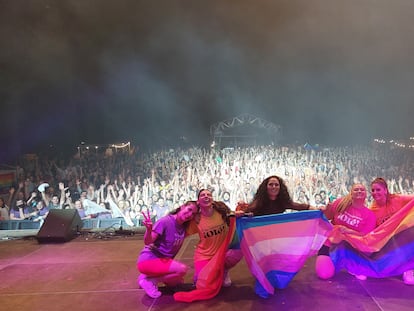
155	267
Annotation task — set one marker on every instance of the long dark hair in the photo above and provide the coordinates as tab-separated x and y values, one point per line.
261	198
223	209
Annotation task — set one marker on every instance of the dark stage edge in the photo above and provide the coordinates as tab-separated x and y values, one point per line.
97	272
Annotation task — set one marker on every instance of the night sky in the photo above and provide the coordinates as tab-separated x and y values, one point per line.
101	71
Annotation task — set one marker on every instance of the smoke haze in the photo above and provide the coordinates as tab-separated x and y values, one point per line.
151	72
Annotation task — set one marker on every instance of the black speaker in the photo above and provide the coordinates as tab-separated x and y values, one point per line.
60	225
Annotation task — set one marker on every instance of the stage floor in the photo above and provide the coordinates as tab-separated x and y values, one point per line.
97	272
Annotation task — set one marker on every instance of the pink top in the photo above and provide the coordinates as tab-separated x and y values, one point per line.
360	219
394	204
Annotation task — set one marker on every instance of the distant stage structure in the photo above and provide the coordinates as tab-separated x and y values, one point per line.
244	130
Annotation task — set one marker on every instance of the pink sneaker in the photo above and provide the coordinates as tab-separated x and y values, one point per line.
149	285
408	277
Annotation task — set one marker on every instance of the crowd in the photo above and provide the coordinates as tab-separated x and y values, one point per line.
263	180
124	184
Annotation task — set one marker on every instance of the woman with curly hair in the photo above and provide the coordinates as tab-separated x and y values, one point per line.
272	197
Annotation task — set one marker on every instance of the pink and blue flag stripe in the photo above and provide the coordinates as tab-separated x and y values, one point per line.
277	246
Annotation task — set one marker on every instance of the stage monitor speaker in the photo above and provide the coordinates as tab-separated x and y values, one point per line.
60	225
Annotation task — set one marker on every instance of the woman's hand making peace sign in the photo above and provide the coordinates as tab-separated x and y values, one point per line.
147	222
149	236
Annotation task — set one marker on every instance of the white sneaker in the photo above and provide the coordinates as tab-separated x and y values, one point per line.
226	279
360	277
140	277
408	277
149	285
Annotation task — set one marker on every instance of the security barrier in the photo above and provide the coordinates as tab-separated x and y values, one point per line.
93	223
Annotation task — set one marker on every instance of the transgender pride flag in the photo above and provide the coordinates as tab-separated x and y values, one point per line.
277	246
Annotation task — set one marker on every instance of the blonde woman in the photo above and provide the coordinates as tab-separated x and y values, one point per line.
351	213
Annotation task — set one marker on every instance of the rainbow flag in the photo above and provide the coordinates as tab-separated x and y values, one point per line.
6	180
386	251
210	278
277	246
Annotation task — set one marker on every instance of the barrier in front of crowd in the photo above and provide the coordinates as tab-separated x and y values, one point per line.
92	223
